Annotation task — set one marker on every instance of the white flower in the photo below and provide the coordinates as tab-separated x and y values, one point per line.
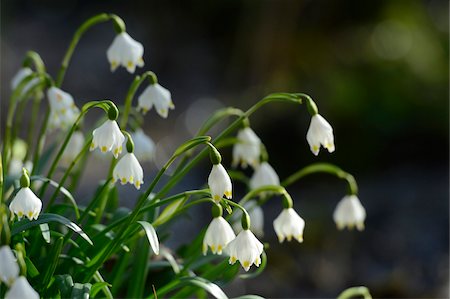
349	212
246	248
9	270
125	51
19	76
156	95
289	225
218	234
128	170
26	203
264	175
144	147
319	133
21	289
16	166
108	137
248	148
73	148
256	214
219	183
63	111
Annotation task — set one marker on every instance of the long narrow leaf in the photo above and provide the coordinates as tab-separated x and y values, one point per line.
151	235
25	224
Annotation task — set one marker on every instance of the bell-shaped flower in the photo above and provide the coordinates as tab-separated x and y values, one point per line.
256	214
125	51
20	75
218	234
264	175
349	212
21	289
9	270
73	148
247	150
144	147
108	137
128	170
319	133
219	183
158	96
289	225
26	203
63	111
16	166
245	248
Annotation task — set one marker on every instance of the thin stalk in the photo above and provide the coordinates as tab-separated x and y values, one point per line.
40	141
31	125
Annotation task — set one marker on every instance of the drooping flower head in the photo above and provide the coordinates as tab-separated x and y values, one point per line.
246	249
289	225
73	148
9	270
144	147
349	212
158	96
125	51
218	234
21	289
319	133
128	170
63	111
108	137
264	175
247	150
219	183
26	203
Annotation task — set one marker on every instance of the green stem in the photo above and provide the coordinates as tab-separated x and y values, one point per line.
354	292
34	114
100	18
40	141
325	168
81	154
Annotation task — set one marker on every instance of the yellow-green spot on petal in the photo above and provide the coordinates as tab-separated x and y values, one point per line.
246	264
233	259
131	179
315	148
20	213
216	197
123	180
92	146
228	194
130	64
104	149
219	249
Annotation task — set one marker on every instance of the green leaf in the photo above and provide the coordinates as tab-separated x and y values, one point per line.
172	261
208	286
45	230
190	144
169	211
81	291
25	224
151	235
32	271
98	286
62	190
52	261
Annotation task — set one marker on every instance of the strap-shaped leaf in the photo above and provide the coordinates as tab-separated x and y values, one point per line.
151	235
25	224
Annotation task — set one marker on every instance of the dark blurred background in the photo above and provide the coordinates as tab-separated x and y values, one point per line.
378	71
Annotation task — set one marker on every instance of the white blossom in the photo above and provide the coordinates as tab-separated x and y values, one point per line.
246	248
256	214
26	203
128	170
9	270
144	147
63	111
264	175
108	137
16	166
20	75
125	51
73	148
247	150
158	96
349	212
319	133
289	225
218	234
21	289
219	183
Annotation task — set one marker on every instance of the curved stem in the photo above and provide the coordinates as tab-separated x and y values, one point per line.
354	292
34	116
263	189
100	18
325	168
40	141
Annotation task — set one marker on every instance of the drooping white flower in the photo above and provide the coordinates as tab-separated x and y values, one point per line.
21	289
245	248
125	51
289	225
144	147
26	203
256	214
16	166
248	148
73	148
349	212
158	96
63	111
19	76
219	183
264	175
128	170
9	270
319	133
108	137
218	234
